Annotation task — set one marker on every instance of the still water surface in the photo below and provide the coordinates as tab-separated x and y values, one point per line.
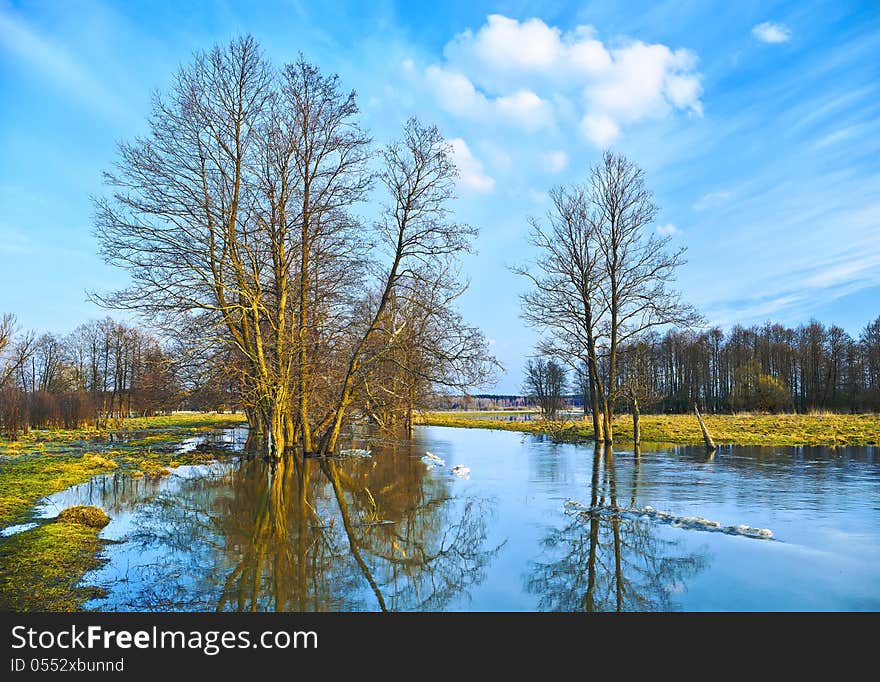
390	531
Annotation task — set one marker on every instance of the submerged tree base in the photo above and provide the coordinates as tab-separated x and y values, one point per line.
736	429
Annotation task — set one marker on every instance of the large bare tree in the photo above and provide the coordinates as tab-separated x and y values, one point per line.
235	218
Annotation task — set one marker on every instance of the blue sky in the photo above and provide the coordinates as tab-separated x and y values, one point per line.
758	124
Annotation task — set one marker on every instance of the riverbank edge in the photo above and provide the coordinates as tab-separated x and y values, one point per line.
41	568
831	430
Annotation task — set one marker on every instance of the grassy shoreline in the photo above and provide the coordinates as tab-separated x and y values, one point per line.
41	568
48	461
683	429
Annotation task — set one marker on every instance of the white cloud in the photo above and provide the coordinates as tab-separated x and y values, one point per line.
599	129
770	32
533	75
507	44
525	108
645	81
471	168
667	230
555	161
456	94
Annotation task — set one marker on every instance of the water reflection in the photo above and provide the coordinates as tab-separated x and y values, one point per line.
303	535
608	562
387	532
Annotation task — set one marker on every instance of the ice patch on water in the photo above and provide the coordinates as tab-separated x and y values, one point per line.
461	471
356	452
648	513
16	529
432	460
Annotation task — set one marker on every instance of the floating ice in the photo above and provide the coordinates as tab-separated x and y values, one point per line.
16	529
356	452
430	459
648	513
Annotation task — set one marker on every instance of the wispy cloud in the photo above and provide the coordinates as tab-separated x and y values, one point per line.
838	136
804	281
712	199
770	32
57	65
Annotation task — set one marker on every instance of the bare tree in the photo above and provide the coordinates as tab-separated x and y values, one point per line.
418	233
182	218
545	382
436	351
637	268
602	277
328	154
564	301
234	217
9	360
637	382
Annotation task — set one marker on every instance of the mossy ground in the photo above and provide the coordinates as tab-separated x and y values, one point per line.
47	461
737	429
85	515
40	568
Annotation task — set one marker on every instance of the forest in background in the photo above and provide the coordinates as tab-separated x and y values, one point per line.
105	370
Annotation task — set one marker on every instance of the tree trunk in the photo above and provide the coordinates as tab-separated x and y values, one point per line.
302	331
637	431
409	417
594	399
607	416
278	412
710	445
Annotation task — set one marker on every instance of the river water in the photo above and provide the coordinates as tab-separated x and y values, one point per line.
528	525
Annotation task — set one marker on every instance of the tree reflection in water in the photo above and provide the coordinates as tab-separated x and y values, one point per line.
307	535
610	563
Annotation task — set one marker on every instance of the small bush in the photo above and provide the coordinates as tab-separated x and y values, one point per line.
93	517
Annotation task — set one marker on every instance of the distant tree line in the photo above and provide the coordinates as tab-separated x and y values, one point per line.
766	367
103	370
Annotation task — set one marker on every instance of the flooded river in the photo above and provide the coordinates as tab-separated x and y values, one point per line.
521	524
